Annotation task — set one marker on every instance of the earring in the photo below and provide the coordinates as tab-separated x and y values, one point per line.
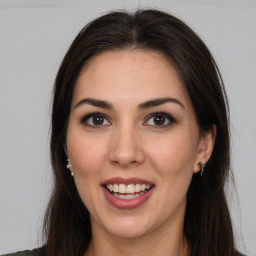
69	166
201	165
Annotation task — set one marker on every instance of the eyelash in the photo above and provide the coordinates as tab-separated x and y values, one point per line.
85	119
166	115
170	119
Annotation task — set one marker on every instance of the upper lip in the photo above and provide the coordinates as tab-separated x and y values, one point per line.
119	180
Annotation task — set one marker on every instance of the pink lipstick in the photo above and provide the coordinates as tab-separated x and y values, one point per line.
127	193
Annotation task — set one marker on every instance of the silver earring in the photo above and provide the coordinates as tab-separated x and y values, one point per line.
69	166
201	165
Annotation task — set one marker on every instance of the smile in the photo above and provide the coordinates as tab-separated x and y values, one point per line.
127	193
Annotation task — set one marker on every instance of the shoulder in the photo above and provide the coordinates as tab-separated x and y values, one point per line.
24	253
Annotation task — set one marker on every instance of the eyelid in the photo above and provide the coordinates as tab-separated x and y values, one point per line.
168	116
86	117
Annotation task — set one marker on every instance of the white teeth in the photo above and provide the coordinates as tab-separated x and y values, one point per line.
115	188
110	187
128	196
130	189
122	188
137	188
127	189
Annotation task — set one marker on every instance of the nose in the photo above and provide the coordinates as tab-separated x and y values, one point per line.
126	147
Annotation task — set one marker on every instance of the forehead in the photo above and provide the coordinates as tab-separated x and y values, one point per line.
129	75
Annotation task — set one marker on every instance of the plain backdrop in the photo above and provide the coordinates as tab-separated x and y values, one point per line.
34	36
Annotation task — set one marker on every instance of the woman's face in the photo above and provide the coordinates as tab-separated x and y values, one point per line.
134	143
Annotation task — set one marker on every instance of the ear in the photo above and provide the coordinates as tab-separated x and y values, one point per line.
205	147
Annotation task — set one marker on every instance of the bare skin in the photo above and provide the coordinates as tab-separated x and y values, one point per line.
127	136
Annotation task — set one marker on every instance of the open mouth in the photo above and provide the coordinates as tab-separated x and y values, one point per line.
129	191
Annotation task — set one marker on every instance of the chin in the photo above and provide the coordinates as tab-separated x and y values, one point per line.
130	228
130	233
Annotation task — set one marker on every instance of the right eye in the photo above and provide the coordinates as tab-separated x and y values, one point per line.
95	120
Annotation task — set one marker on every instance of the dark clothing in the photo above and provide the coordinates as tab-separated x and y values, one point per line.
37	253
25	253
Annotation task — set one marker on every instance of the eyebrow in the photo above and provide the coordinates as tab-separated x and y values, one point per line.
94	102
158	102
144	105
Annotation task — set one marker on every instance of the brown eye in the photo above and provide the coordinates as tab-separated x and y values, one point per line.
160	119
95	120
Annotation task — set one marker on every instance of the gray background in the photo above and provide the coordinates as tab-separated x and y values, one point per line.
34	36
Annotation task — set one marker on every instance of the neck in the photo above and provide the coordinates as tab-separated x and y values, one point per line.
163	242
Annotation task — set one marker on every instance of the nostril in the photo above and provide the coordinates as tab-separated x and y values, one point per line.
125	163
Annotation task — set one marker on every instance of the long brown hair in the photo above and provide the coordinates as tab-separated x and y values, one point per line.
207	224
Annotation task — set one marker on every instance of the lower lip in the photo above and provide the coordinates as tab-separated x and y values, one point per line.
127	204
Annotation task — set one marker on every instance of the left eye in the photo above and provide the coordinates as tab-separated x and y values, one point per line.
160	119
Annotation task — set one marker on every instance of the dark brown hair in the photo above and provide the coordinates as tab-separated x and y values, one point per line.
207	224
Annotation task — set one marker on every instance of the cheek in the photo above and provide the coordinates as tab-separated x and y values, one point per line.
174	155
86	153
87	157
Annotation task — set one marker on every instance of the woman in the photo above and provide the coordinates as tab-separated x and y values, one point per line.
140	119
